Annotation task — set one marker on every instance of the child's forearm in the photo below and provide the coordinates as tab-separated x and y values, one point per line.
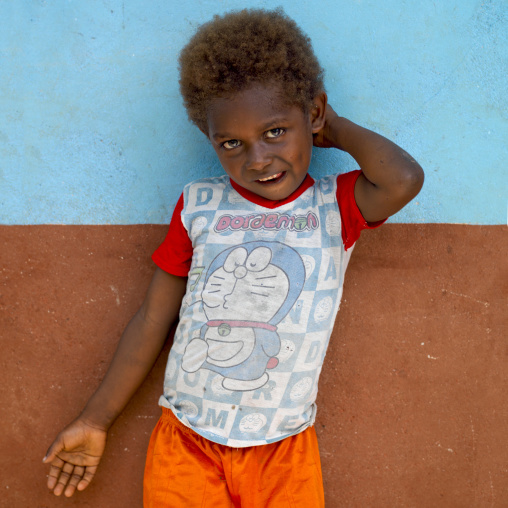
391	177
383	162
135	355
137	351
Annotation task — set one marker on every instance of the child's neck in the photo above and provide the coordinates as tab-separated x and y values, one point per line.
269	203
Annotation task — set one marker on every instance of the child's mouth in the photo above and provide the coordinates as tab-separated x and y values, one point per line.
272	179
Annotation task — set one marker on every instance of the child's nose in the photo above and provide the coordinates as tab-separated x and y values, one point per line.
258	157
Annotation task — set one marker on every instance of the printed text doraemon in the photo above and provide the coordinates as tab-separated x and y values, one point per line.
267	221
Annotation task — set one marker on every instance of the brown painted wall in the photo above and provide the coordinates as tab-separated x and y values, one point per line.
412	407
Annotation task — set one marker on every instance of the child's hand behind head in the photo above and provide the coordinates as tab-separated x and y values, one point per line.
324	138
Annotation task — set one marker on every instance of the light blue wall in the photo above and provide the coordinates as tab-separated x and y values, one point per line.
92	130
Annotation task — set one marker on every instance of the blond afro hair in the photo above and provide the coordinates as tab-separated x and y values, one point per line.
232	52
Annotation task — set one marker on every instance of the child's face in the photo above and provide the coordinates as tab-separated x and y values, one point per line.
263	144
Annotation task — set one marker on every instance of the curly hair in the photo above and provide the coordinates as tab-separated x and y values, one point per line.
232	52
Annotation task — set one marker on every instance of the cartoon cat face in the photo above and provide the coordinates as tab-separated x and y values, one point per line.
246	287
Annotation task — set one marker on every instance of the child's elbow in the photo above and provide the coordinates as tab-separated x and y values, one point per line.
411	180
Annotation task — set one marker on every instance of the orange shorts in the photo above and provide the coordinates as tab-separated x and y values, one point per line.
184	469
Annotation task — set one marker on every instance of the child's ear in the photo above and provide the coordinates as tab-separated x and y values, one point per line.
317	112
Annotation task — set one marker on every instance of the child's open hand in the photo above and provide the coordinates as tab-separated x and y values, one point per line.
74	457
327	136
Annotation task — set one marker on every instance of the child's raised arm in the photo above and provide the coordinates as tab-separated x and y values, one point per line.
77	450
391	177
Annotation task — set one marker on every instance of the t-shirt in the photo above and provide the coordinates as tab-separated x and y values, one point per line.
264	285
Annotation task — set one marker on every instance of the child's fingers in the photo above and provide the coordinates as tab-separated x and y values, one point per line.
65	474
87	478
65	478
76	477
54	473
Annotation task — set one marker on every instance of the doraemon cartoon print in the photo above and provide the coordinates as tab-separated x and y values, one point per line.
248	290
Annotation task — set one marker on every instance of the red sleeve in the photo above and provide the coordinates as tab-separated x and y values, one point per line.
352	219
174	255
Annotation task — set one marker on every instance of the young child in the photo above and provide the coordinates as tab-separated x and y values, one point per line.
253	265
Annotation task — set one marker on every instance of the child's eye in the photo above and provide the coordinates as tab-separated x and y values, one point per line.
274	133
230	144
